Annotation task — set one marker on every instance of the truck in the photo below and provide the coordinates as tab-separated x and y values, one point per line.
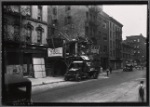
83	68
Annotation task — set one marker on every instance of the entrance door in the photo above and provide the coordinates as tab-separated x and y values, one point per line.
27	65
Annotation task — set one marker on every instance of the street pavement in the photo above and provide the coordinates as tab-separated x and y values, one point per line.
43	84
118	87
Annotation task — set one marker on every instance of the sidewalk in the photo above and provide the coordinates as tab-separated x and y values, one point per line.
46	80
52	80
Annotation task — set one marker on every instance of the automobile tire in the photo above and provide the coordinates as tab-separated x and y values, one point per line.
95	75
78	78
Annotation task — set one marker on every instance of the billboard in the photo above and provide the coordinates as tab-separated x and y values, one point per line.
55	52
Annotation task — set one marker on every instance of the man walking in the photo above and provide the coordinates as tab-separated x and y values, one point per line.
107	71
141	92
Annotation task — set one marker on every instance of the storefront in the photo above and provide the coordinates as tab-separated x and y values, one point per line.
34	62
27	62
55	61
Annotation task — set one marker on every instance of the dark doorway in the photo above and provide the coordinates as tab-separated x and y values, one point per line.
27	59
60	68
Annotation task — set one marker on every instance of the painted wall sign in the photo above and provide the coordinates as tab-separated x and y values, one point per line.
55	52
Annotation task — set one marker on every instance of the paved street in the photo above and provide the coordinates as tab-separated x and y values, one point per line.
113	89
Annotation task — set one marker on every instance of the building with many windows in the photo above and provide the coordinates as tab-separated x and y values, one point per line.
127	53
115	43
68	23
25	33
139	44
103	38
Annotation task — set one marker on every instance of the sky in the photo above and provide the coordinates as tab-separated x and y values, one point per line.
132	17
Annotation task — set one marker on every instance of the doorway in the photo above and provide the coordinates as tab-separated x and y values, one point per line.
28	69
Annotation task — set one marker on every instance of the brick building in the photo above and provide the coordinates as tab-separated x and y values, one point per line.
115	41
139	44
25	33
69	23
127	53
103	38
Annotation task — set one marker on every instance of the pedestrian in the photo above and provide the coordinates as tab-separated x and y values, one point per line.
141	92
107	71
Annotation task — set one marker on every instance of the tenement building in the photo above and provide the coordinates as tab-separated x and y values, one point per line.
115	43
25	33
127	53
66	25
139	44
103	38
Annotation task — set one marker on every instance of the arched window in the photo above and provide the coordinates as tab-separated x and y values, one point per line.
29	29
29	35
39	34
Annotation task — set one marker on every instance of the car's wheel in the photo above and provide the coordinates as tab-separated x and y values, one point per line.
95	75
78	78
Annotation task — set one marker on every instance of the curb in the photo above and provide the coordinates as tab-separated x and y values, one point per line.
45	83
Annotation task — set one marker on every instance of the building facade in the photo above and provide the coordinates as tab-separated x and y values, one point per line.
68	23
115	43
139	44
103	38
25	33
127	53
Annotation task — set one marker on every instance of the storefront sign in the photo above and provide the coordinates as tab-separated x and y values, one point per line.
55	52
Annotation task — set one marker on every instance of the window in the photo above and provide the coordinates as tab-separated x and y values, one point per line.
39	36
28	36
16	32
105	37
68	20
54	11
15	8
54	21
138	51
68	8
87	14
137	46
138	40
5	27
104	25
40	13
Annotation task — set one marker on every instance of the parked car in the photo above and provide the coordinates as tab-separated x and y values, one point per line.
16	90
128	67
138	67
